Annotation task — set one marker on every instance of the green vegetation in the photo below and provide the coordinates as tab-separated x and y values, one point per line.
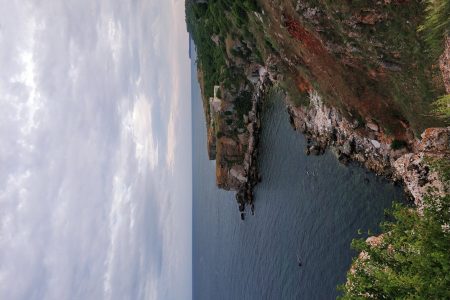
412	258
442	166
243	105
392	45
435	28
210	23
436	25
441	108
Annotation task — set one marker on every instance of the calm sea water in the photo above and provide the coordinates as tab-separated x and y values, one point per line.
310	206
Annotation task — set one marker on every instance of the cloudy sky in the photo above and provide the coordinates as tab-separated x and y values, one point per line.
95	150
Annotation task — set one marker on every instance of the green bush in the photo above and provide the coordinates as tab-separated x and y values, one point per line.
412	260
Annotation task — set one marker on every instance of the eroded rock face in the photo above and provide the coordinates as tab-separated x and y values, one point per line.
328	128
236	153
444	64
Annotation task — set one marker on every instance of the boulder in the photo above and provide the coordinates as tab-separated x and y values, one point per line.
375	143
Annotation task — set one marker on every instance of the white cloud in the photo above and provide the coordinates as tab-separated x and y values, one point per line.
92	92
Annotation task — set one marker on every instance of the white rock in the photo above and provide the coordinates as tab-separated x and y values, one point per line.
375	143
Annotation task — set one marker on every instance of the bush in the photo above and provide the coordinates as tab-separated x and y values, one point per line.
412	260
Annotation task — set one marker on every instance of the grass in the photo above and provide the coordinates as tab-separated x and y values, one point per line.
441	108
436	25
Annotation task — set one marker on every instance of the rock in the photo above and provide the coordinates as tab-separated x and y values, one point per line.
347	149
372	126
243	138
238	172
291	121
391	66
344	159
375	143
314	150
422	182
250	128
374	241
435	140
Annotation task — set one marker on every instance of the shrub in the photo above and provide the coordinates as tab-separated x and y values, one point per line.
412	260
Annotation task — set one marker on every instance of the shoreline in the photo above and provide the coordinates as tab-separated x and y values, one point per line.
366	144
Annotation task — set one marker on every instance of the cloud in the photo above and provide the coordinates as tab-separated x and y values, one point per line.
93	93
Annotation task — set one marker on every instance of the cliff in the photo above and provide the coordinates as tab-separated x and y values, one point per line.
366	78
369	145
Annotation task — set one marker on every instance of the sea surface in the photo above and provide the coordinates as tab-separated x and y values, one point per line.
309	207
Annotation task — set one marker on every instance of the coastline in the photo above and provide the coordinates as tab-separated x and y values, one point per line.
324	127
368	145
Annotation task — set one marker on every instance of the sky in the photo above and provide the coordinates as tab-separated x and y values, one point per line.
95	150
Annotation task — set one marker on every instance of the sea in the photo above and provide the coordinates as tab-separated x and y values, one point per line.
307	209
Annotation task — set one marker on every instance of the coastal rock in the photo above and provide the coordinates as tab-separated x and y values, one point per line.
347	149
348	143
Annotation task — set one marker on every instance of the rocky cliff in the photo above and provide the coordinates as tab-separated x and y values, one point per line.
360	77
368	144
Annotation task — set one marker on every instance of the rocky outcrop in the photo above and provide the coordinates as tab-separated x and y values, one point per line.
236	157
366	143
